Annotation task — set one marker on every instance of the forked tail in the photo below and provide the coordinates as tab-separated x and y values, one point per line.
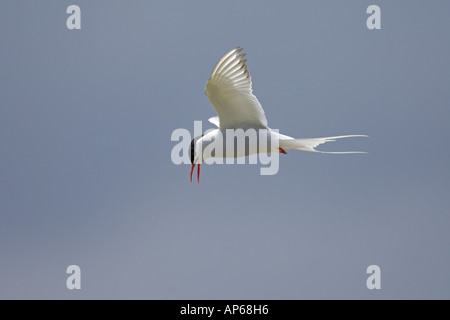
311	144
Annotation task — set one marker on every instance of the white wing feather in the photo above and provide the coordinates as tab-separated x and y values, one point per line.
215	121
229	90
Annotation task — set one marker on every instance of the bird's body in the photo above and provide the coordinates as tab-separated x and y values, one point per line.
241	118
225	144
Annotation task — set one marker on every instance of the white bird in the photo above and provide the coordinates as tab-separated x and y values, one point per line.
229	90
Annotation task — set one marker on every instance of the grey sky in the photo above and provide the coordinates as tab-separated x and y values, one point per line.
86	176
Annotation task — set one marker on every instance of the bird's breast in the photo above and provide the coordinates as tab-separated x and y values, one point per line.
235	143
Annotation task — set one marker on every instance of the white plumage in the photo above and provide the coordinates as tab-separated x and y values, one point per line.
229	90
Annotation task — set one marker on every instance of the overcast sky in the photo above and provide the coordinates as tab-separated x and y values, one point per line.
86	176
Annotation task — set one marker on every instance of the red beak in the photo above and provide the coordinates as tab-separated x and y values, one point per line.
198	172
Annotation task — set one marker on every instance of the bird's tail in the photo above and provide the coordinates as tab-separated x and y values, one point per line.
311	144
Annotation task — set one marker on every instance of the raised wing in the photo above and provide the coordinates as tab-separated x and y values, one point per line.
229	90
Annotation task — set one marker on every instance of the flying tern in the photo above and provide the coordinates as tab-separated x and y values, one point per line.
229	90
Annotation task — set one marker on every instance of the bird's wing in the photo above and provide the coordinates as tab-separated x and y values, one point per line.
229	89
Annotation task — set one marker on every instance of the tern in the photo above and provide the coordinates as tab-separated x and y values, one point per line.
229	90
